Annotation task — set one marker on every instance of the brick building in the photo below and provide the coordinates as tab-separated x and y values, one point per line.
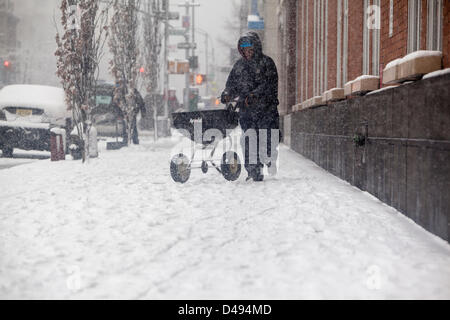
325	43
394	144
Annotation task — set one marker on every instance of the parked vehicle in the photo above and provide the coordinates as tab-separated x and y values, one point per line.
28	112
106	116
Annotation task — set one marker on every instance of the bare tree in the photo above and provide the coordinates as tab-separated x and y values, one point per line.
79	50
123	45
152	46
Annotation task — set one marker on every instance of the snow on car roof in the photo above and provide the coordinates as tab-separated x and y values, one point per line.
50	99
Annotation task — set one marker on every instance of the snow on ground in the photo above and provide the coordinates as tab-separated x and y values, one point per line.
118	227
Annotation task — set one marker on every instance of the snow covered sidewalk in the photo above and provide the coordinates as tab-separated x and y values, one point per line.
119	227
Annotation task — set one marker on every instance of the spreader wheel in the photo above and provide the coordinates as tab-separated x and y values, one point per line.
180	168
231	166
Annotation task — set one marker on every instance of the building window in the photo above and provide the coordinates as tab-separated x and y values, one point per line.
342	43
376	39
391	18
316	48
338	44
320	46
306	50
345	49
434	32
325	54
366	39
303	52
414	18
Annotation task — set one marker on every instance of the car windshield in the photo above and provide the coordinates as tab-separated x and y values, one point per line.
103	99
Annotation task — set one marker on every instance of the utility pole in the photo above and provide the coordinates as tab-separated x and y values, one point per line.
187	5
207	64
166	69
187	75
193	30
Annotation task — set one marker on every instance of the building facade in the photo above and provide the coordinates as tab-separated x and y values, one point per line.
394	144
322	44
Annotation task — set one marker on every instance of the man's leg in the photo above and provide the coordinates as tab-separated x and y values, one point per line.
249	145
135	131
271	135
273	141
257	173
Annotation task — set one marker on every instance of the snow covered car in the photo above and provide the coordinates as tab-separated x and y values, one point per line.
29	112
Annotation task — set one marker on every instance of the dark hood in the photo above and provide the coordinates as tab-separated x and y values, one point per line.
254	39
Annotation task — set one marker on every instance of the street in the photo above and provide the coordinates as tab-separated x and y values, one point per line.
120	206
22	157
116	229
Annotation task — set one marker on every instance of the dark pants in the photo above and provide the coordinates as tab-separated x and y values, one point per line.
134	132
258	125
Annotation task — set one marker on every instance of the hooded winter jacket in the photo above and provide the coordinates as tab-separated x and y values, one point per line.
256	78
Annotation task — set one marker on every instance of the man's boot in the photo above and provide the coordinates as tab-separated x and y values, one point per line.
255	174
251	174
258	176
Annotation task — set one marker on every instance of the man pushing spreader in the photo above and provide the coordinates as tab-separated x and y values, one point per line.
254	82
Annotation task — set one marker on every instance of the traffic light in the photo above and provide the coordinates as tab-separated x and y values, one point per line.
142	70
200	79
193	62
6	64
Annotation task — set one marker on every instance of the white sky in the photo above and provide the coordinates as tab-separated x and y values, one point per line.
36	32
211	17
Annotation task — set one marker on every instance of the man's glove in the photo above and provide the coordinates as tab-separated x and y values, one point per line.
250	100
225	98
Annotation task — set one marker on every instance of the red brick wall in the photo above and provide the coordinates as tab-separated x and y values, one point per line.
309	51
291	7
355	38
281	70
423	30
396	46
288	47
446	34
332	44
391	48
301	34
310	47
